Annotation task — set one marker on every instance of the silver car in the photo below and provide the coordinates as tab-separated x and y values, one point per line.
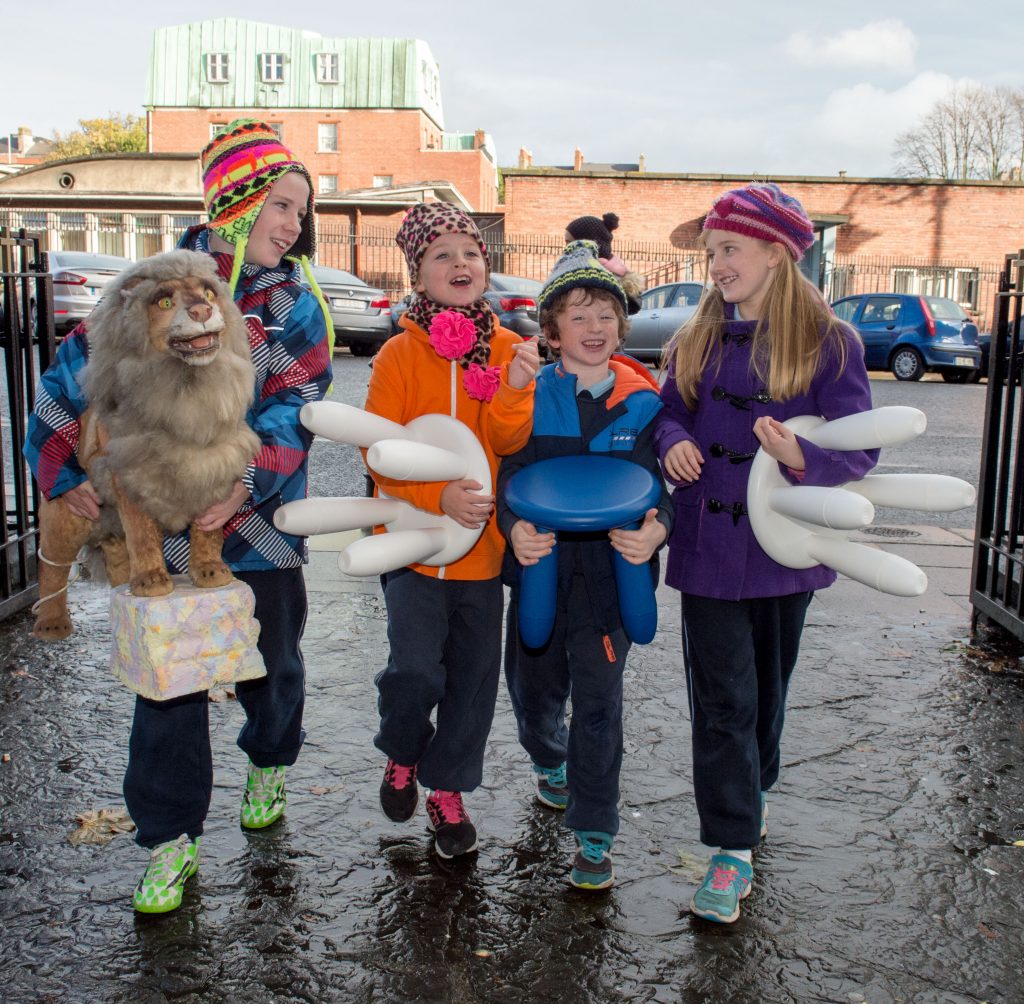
663	310
78	282
361	314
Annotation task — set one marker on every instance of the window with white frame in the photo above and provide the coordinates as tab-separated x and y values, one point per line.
383	180
959	284
327	137
327	184
327	66
217	67
216	128
272	67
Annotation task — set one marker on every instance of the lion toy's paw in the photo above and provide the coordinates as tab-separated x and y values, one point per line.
154	582
56	629
209	574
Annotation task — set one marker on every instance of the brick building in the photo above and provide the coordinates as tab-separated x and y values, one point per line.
360	113
946	238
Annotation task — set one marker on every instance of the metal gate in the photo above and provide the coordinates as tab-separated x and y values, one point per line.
27	340
996	593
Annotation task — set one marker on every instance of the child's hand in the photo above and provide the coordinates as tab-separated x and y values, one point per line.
460	500
779	443
525	363
637	546
528	545
683	461
83	500
220	512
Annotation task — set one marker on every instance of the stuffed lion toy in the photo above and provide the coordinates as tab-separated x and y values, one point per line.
169	381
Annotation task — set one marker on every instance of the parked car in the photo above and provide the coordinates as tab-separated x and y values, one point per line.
663	311
361	314
985	344
513	298
911	335
79	278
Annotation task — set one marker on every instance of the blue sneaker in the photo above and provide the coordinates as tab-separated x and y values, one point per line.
592	866
552	788
726	883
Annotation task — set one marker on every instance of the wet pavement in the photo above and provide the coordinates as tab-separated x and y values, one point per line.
889	871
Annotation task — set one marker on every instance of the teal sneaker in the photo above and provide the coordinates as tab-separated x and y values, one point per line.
171	865
552	788
592	866
264	799
726	883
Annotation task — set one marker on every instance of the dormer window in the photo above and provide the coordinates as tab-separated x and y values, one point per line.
272	67
217	65
327	68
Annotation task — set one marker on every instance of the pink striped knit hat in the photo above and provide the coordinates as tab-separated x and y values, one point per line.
239	167
765	212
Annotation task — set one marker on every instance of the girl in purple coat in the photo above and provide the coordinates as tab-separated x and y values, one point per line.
762	347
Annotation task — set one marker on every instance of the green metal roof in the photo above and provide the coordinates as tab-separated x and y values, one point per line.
372	72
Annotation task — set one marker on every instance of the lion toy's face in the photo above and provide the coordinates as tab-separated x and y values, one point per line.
186	320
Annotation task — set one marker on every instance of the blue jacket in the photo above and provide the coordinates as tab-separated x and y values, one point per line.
712	550
288	341
618	423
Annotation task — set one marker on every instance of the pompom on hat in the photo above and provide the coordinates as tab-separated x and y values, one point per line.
427	221
590	228
239	166
765	212
578	268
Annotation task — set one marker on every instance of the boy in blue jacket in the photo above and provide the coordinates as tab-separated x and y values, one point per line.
260	204
593	400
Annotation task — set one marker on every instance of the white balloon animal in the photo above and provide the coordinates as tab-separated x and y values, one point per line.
429	448
799	526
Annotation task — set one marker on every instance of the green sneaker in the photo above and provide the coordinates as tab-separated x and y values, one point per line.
725	884
171	865
264	799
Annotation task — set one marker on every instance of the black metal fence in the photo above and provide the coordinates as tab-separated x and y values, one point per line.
998	567
27	341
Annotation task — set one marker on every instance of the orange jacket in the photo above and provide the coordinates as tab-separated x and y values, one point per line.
410	379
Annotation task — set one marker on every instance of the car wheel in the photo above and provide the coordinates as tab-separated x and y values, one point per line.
959	376
907	364
362	348
975	376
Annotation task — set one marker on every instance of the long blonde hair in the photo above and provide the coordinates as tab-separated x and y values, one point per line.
787	342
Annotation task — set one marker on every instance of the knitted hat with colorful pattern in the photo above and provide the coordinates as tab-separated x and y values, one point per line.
765	212
239	166
578	268
427	221
590	228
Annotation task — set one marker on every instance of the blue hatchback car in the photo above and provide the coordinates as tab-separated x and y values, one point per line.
911	335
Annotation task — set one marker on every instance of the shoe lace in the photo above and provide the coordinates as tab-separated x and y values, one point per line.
164	857
592	847
449	806
724	877
555	775
264	782
398	776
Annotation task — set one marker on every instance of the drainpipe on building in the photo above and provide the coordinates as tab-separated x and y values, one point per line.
357	257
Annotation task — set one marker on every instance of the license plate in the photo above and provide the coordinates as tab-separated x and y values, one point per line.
92	290
965	361
348	304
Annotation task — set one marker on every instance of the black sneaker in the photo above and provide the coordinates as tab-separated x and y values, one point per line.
399	792
454	832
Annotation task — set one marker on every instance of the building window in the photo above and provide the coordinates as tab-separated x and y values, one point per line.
383	180
327	68
217	67
272	67
327	137
111	236
216	128
327	184
71	231
148	236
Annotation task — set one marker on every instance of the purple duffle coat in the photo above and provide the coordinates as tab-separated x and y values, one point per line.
715	554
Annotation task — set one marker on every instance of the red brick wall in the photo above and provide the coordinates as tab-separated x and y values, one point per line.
975	223
403	144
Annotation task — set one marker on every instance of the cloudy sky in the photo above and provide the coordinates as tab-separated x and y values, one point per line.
747	88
